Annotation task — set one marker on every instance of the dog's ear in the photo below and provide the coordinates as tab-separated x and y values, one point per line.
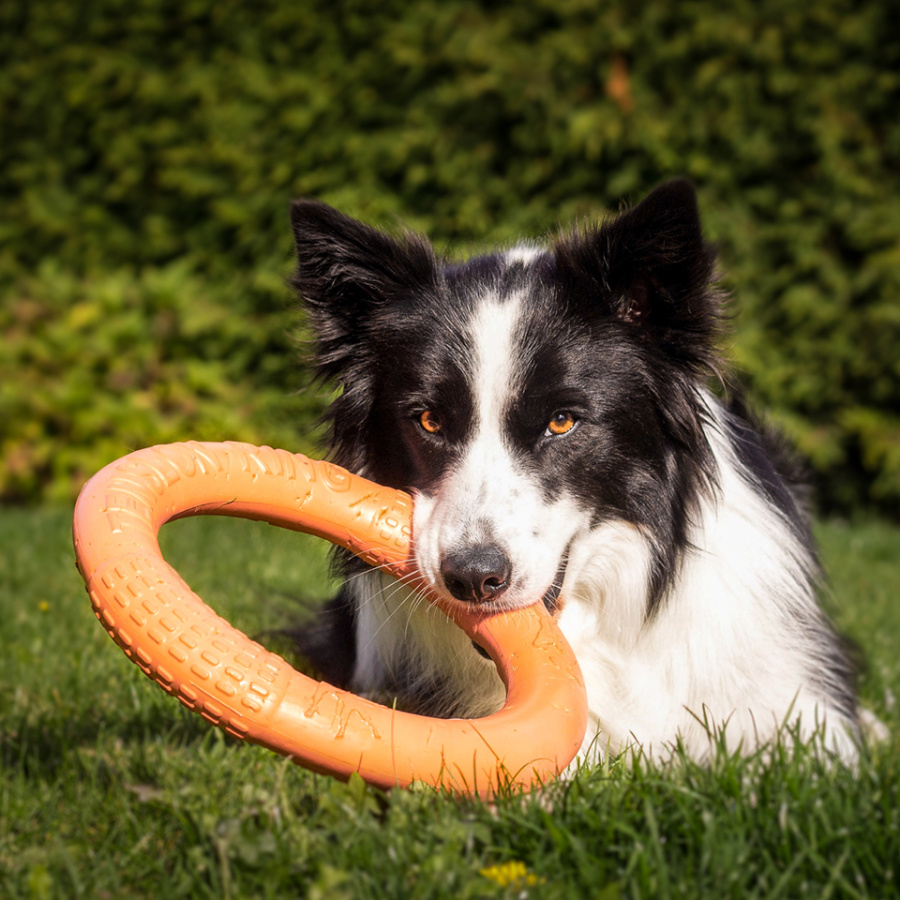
650	270
346	271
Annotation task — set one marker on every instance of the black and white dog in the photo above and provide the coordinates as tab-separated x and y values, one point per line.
549	411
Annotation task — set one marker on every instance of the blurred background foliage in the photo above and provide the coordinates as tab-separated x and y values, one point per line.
149	149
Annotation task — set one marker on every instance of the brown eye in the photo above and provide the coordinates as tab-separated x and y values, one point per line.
429	421
561	423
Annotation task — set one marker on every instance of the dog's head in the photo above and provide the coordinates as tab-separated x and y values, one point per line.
522	397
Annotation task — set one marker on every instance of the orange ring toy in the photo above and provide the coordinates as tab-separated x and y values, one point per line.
232	681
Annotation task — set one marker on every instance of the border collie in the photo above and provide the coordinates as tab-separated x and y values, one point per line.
550	412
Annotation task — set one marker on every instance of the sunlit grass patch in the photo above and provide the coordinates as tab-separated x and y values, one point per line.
109	788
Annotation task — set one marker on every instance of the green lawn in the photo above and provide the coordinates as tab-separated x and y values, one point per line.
108	788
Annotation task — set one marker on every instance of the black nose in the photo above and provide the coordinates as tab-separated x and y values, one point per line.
476	574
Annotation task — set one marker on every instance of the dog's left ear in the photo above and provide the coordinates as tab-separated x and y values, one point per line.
650	270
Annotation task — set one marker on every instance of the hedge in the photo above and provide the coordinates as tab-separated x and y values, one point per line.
149	151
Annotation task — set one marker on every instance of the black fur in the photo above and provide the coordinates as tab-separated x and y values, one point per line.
618	326
641	320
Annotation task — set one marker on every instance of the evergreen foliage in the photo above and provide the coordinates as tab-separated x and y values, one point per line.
149	151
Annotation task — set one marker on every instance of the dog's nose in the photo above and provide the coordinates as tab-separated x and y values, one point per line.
476	574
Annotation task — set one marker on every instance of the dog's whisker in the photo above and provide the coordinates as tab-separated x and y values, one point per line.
407	604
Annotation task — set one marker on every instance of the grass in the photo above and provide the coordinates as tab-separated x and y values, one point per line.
108	788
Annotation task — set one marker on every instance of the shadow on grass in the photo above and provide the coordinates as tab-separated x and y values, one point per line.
39	745
42	737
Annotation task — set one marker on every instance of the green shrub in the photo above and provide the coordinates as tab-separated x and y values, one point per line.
98	366
171	135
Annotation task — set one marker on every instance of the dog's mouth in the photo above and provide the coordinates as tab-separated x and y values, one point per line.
550	598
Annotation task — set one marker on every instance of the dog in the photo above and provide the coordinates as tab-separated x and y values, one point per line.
559	417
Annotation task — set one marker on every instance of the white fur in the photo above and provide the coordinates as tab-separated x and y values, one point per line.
723	651
523	253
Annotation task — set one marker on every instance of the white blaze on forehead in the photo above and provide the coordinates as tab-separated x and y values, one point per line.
492	333
523	253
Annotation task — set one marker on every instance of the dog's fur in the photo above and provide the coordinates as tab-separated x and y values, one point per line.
550	412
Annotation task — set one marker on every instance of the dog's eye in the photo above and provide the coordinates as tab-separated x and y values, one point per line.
430	422
561	423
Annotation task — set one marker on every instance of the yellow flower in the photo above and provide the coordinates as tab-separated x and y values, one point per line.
511	874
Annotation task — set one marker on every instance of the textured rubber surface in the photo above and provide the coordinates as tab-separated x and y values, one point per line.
233	682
